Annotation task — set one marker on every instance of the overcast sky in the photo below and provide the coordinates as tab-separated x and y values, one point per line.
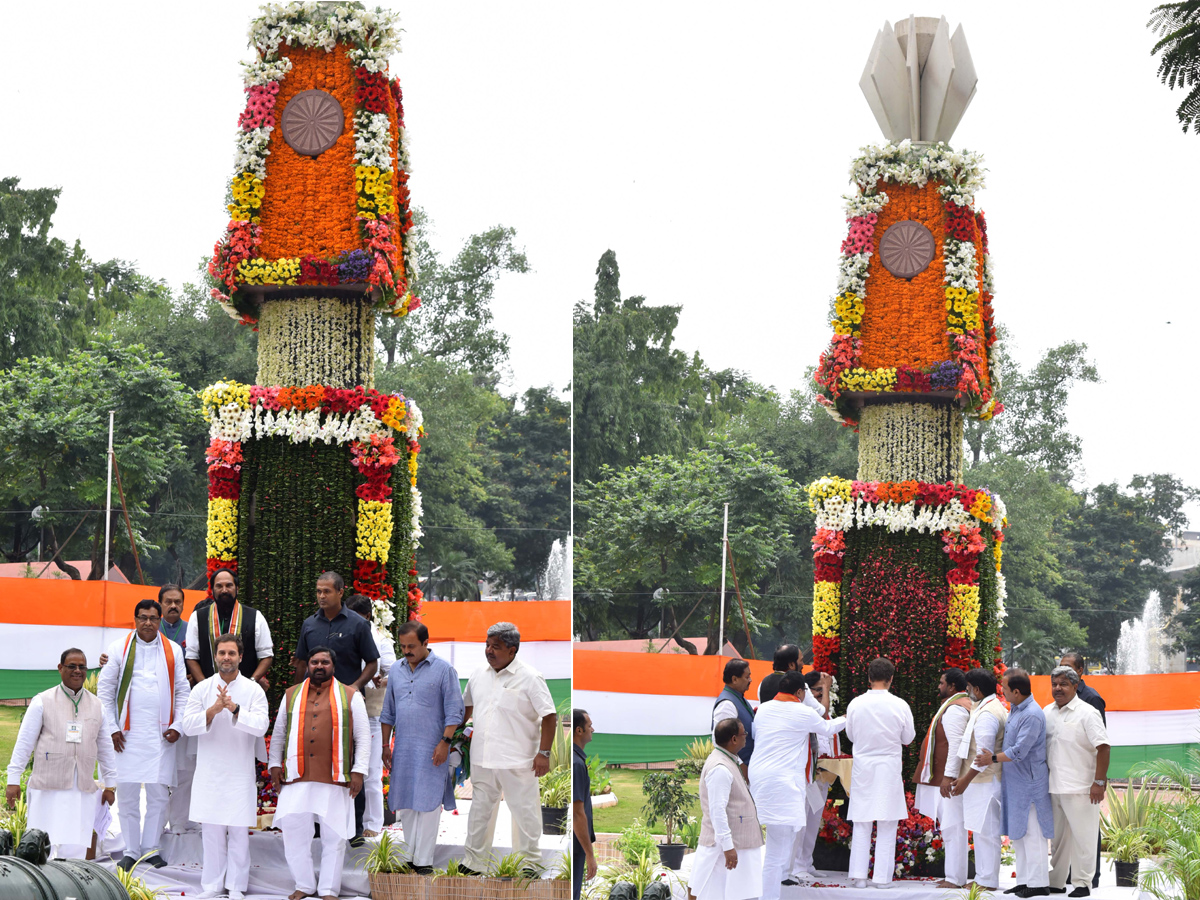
707	144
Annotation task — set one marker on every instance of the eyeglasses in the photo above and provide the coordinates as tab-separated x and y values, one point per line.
74	668
147	619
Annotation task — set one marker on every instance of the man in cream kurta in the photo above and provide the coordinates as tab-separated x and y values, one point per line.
729	856
144	689
63	729
938	767
879	723
320	751
979	785
781	770
227	714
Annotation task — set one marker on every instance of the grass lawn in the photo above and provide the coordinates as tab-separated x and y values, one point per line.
10	722
627	784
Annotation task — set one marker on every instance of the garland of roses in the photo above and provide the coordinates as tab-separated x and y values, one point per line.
969	521
970	326
383	218
364	418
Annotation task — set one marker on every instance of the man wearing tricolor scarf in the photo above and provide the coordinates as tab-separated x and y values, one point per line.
226	615
320	751
144	689
939	766
781	769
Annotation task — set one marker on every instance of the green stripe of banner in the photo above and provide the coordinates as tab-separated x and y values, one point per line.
641	748
560	689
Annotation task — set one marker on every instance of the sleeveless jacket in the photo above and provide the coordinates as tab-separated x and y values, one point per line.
941	747
992	772
745	716
742	815
204	616
55	762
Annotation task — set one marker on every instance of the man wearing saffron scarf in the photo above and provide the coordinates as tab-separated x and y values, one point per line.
225	615
819	684
879	723
143	688
939	766
320	751
781	769
979	785
227	714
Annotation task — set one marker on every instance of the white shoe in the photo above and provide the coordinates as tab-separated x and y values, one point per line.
881	885
860	882
803	877
236	895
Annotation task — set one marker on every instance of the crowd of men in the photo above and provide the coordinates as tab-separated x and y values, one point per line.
1036	775
180	715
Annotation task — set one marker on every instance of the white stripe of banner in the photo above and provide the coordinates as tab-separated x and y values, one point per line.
652	714
40	646
551	658
1136	729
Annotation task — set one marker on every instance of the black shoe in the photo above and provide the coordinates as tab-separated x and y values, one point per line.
1080	892
1015	890
157	861
789	882
1061	890
423	870
468	871
357	841
126	863
1035	892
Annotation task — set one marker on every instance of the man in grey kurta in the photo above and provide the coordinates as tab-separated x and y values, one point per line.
1027	816
423	707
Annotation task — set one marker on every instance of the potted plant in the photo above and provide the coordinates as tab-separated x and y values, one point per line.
555	790
668	799
646	880
452	883
1126	846
634	841
390	875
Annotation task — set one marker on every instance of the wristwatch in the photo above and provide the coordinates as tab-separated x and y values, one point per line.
1101	781
994	758
545	753
237	708
446	740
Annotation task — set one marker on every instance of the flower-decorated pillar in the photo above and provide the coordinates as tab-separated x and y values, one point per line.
907	559
311	469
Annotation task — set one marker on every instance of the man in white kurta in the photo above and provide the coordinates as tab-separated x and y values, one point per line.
63	729
781	770
938	767
226	714
729	856
144	689
373	694
819	684
320	751
879	723
978	785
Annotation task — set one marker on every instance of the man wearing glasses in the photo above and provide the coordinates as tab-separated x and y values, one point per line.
144	690
63	729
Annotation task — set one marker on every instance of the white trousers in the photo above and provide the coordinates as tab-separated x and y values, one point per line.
519	788
181	795
885	851
987	860
1033	863
1073	847
142	837
803	861
373	786
782	841
68	851
297	848
420	834
954	839
226	858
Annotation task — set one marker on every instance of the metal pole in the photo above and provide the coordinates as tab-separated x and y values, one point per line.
108	497
724	556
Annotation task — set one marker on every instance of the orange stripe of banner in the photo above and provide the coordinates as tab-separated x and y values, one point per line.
96	604
545	620
1121	693
656	673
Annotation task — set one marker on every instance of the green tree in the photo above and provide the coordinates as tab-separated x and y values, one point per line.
1178	28
648	546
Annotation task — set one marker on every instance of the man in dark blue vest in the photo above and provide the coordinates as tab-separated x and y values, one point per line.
731	704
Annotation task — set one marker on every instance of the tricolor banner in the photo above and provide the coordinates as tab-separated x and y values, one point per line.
40	618
647	707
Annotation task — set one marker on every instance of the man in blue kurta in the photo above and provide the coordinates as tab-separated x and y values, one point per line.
1027	816
423	706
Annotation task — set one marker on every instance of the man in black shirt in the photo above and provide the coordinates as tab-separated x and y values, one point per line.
344	631
787	659
1088	695
583	857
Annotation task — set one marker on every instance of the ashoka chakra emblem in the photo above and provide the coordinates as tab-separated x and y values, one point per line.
906	249
312	122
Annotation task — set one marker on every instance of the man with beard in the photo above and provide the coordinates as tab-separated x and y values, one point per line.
320	750
63	729
225	615
227	714
423	706
143	688
938	767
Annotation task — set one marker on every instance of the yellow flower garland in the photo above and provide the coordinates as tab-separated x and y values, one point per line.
964	611
374	532
827	608
222	529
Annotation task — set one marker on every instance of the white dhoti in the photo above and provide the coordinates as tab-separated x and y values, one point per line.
301	805
1033	861
885	851
373	785
519	788
781	844
66	816
1073	847
226	858
710	880
420	834
981	817
141	835
180	803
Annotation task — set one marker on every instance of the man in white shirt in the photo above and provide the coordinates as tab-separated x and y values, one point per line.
65	722
879	723
514	719
819	689
144	690
227	714
938	767
1077	751
782	768
729	857
979	786
370	815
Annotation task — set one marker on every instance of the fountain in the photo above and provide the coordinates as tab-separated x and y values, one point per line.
1143	647
555	582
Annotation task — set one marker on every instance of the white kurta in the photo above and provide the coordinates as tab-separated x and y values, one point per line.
710	880
224	787
879	723
66	815
148	758
777	779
